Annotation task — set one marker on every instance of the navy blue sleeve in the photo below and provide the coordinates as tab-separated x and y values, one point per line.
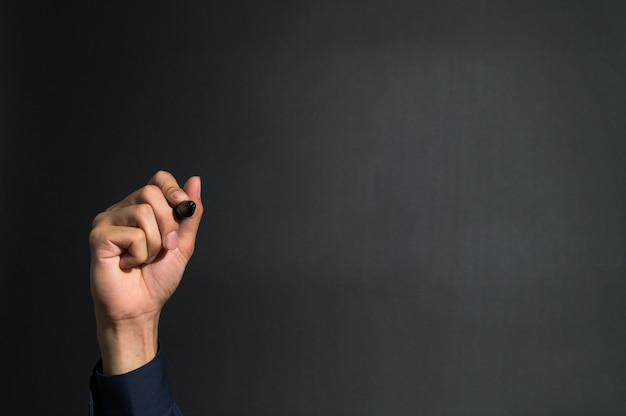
145	391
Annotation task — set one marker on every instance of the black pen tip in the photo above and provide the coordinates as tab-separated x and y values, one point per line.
185	209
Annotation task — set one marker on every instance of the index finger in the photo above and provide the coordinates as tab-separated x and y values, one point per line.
170	188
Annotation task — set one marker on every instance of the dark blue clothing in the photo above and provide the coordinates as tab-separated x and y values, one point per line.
145	391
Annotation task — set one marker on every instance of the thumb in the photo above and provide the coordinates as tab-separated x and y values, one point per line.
188	227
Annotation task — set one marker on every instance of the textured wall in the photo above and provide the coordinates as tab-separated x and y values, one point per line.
413	207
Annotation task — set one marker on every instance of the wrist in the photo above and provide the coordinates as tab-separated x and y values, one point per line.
126	346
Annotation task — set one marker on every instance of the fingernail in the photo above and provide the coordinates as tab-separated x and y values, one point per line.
171	240
151	259
199	186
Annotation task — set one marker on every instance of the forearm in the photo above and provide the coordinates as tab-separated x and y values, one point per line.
131	377
127	346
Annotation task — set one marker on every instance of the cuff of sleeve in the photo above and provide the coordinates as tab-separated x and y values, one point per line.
144	391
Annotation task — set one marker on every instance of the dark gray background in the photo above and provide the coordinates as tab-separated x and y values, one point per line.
413	207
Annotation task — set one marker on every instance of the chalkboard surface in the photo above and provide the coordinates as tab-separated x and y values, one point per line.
412	207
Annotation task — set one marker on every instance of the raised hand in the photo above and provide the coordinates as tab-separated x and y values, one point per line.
139	251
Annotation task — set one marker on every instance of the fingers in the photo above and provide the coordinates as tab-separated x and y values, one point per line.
188	228
126	242
161	193
143	218
169	187
149	209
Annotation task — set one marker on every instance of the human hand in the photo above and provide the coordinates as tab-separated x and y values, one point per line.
138	255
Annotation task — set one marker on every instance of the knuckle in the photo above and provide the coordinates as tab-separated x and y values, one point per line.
95	236
149	191
162	175
138	245
112	207
137	234
98	219
144	210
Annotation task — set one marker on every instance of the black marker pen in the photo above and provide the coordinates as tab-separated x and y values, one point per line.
184	210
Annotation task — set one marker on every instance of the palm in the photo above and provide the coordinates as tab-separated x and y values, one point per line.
126	294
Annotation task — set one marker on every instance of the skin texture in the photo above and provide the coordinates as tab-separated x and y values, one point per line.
139	251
